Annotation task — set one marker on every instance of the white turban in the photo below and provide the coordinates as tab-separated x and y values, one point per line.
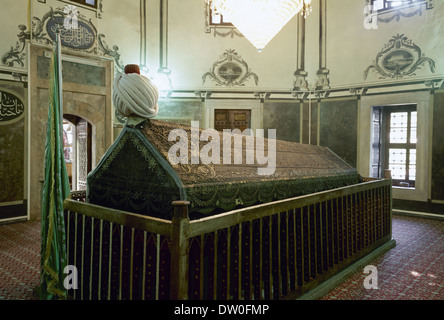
135	94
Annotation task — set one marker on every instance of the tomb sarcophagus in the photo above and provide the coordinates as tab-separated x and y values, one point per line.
153	163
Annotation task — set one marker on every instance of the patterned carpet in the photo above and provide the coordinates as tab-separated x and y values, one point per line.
413	270
19	260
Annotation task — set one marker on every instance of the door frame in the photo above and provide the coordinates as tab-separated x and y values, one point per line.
96	110
255	106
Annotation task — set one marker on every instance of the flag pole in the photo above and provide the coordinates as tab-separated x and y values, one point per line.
55	189
59	68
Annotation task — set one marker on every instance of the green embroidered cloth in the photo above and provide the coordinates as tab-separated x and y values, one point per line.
136	174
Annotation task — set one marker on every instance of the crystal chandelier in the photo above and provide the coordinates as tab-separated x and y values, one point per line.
260	20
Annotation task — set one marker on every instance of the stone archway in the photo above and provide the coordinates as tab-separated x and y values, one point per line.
83	97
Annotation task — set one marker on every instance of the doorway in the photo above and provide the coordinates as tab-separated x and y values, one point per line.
78	151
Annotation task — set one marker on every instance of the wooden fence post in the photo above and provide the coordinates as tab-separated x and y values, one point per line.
179	251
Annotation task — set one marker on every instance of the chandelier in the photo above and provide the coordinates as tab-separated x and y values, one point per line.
260	20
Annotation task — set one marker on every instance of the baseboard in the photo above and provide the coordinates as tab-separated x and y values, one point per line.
326	286
418	214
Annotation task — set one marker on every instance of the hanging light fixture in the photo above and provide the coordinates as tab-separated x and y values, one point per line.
260	20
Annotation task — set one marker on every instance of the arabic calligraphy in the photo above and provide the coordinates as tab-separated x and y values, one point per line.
11	107
82	37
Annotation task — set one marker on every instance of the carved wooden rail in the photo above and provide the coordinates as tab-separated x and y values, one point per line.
270	251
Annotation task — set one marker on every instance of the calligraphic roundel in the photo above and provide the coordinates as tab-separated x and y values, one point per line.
11	107
82	36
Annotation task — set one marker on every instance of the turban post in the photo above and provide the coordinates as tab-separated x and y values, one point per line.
135	94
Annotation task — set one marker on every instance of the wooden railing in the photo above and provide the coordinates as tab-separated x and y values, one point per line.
270	251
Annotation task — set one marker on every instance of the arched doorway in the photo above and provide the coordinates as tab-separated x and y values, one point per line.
90	101
77	150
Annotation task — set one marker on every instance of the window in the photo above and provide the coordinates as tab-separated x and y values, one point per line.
217	23
216	18
88	3
394	143
385	5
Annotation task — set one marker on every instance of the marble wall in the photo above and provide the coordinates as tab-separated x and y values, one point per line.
181	111
13	150
74	72
338	128
284	117
438	148
12	153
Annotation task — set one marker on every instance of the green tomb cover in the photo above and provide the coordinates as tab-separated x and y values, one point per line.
135	174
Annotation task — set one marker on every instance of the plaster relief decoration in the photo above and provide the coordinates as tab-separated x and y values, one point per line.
11	107
230	70
15	57
400	57
113	52
77	33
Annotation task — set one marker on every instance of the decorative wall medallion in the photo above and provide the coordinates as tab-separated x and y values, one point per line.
400	57
230	70
82	37
11	107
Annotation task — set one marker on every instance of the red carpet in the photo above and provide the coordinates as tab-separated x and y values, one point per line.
412	270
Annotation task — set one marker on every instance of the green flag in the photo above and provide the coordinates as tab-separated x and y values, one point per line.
55	190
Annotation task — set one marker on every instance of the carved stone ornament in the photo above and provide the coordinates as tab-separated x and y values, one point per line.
230	70
399	58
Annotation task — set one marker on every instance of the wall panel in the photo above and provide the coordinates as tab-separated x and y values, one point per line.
13	150
284	117
438	148
339	128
